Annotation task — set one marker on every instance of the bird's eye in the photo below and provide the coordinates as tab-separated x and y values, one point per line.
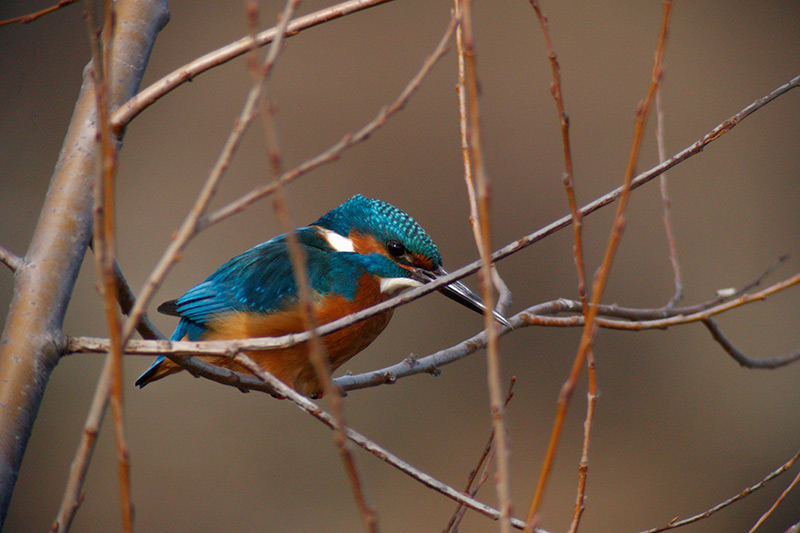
395	248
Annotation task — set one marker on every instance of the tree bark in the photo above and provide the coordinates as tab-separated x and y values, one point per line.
32	340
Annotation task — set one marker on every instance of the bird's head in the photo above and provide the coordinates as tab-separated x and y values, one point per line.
405	255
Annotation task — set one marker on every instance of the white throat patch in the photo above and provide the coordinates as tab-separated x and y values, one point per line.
340	243
393	286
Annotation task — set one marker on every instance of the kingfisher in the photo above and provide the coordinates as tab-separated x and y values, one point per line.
357	255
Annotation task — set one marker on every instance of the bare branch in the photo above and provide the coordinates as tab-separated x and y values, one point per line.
536	315
188	72
30	17
577	224
14	262
746	492
776	504
312	409
481	189
601	277
739	357
569	179
666	217
31	340
104	239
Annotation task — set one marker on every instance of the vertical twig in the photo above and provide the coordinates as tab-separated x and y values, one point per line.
316	353
583	467
483	462
32	332
662	185
481	189
104	241
73	496
504	296
569	179
601	277
577	223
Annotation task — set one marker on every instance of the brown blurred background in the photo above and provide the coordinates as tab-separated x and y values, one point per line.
679	426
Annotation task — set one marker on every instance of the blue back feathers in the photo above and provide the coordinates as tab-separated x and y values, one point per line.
261	279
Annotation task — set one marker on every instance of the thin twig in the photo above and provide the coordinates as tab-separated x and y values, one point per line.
104	241
601	277
14	262
483	463
746	492
577	224
316	350
667	218
312	409
776	504
583	466
482	191
569	179
739	357
188	72
30	17
347	141
504	294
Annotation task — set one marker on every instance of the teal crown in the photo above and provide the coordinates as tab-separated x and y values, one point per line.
384	222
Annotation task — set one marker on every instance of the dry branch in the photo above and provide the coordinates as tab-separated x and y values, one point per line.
746	492
30	345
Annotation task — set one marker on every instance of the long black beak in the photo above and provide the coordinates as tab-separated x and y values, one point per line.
459	292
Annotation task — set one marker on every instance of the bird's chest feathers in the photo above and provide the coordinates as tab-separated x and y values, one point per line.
328	307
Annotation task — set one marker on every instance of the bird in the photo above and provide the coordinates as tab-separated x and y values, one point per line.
357	255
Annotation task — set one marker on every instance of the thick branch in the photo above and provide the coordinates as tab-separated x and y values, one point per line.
29	349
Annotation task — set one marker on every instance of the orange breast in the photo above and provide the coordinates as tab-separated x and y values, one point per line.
292	365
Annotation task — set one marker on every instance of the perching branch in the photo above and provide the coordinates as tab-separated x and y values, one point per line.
538	315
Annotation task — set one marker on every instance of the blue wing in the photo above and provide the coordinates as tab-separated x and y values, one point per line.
262	280
259	280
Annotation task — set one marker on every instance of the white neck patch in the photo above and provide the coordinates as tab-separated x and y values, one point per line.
340	243
392	286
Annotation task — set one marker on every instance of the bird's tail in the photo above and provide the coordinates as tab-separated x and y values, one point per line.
163	367
151	374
